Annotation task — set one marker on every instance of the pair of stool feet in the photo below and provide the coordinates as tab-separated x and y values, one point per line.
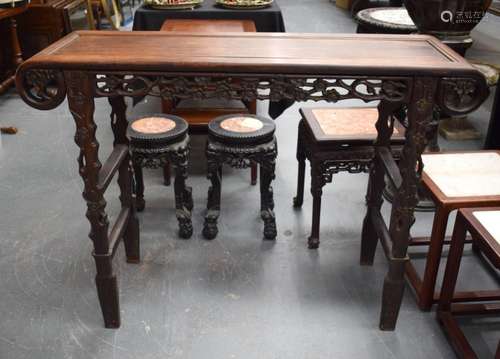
210	228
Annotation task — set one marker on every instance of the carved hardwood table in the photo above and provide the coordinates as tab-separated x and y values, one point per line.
412	71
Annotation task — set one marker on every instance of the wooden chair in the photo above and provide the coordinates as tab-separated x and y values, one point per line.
484	226
199	113
454	181
336	140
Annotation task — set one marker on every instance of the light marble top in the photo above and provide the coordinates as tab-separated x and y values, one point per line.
152	125
490	221
242	124
465	174
393	16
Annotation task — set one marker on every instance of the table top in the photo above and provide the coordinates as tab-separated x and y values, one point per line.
268	19
254	53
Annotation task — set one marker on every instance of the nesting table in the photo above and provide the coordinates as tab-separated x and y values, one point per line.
413	71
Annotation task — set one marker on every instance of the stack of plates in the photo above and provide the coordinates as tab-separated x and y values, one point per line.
172	4
244	4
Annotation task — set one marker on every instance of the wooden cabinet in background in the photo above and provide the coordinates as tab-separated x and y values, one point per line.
46	21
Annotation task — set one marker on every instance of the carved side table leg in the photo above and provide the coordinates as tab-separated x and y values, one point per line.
81	104
376	183
183	199
420	113
139	188
119	125
298	200
214	192
317	183
131	237
267	175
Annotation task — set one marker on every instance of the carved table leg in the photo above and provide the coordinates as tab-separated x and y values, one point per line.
119	125
420	113
214	192
298	200
81	104
317	183
267	175
376	183
183	196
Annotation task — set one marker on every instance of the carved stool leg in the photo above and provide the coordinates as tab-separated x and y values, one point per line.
81	104
317	183
131	237
214	193
420	113
298	200
183	199
166	174
139	188
253	173
267	175
376	184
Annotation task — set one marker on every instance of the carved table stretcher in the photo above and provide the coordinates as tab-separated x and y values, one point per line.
410	71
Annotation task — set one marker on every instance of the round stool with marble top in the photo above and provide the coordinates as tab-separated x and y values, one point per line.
239	141
155	141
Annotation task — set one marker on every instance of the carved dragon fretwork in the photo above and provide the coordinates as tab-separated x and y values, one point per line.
272	88
45	89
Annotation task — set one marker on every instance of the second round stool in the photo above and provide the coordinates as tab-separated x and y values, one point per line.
239	141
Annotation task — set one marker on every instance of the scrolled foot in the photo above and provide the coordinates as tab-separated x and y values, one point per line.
297	202
140	204
185	229
270	231
185	224
210	230
313	243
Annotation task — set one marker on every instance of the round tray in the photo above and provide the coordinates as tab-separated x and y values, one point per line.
8	4
186	6
243	7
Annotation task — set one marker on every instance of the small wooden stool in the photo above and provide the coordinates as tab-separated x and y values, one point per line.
155	141
239	141
199	113
454	181
336	140
484	226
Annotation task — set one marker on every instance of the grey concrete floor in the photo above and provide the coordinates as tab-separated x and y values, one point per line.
234	297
